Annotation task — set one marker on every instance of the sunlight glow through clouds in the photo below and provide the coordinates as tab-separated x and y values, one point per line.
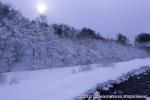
41	7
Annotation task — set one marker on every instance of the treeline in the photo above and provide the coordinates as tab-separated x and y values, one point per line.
38	44
67	31
8	11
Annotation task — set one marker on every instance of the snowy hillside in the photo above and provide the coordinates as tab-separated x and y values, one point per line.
27	45
63	83
45	61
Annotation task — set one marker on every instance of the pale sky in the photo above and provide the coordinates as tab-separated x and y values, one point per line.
107	17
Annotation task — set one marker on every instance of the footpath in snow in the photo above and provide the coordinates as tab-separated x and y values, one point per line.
62	83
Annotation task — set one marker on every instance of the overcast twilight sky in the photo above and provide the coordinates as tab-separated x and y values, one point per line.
108	17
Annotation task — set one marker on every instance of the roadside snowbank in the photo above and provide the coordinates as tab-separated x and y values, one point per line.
63	84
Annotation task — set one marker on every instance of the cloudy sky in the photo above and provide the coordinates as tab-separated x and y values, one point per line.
108	17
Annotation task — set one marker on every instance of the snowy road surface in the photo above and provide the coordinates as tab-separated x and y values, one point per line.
62	83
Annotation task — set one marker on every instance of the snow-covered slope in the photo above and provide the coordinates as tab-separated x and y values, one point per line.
63	83
28	43
38	45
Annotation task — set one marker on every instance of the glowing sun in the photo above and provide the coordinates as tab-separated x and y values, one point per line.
41	7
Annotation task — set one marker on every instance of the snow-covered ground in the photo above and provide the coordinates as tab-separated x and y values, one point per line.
63	83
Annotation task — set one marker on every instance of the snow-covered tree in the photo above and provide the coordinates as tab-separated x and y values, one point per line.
40	45
87	33
143	37
122	39
64	30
